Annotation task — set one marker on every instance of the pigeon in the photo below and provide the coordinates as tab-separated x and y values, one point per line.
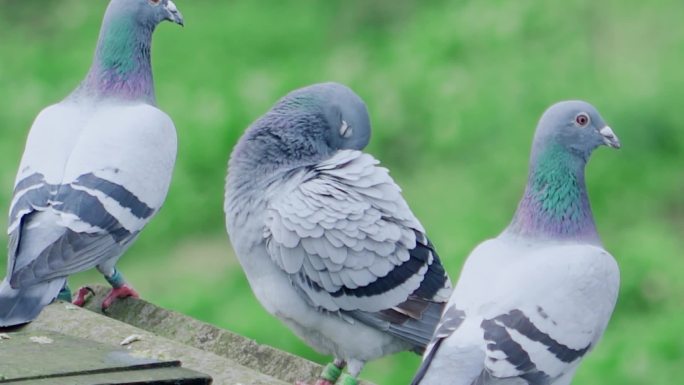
95	170
326	240
531	303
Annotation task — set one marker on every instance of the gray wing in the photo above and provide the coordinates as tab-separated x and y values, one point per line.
518	347
450	321
517	352
415	319
350	243
555	315
60	229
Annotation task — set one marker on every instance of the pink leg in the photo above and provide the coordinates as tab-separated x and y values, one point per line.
82	296
120	292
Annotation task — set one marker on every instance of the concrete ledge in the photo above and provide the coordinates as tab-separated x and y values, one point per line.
254	363
70	320
47	357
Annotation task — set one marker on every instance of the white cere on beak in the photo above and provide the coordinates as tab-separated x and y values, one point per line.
609	137
345	129
173	14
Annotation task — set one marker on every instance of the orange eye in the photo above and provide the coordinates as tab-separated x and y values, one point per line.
582	119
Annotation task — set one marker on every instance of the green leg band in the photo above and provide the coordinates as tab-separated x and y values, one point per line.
331	373
347	379
116	280
64	294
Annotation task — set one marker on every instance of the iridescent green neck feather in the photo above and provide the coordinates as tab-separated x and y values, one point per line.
555	205
121	68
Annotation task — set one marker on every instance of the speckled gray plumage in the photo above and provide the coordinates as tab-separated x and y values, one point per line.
323	232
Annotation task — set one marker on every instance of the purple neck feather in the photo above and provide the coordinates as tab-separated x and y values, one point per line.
555	205
121	68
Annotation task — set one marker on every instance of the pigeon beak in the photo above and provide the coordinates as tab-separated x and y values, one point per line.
609	137
173	14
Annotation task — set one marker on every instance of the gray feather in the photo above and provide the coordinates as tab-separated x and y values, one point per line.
18	306
47	250
301	197
348	236
416	325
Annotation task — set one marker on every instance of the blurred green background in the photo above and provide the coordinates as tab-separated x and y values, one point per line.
454	89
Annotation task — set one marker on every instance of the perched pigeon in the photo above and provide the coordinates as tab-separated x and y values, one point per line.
531	303
96	168
326	240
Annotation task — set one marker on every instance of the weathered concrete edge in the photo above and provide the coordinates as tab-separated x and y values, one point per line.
67	319
189	331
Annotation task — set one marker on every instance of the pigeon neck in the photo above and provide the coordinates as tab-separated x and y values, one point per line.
555	205
121	68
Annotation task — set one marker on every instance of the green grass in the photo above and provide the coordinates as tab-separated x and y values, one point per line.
454	89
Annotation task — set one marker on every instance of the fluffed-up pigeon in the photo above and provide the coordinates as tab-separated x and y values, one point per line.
325	238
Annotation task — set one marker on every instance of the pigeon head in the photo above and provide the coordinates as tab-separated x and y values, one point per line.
342	117
555	204
305	126
575	126
146	13
122	67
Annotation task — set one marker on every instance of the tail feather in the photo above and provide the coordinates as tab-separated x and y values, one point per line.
19	306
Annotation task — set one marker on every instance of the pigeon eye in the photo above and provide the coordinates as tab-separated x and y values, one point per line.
345	129
582	119
155	2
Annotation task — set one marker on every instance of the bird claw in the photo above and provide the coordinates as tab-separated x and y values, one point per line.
123	291
82	296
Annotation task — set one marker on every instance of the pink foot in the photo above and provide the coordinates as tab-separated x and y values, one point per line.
82	295
119	292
